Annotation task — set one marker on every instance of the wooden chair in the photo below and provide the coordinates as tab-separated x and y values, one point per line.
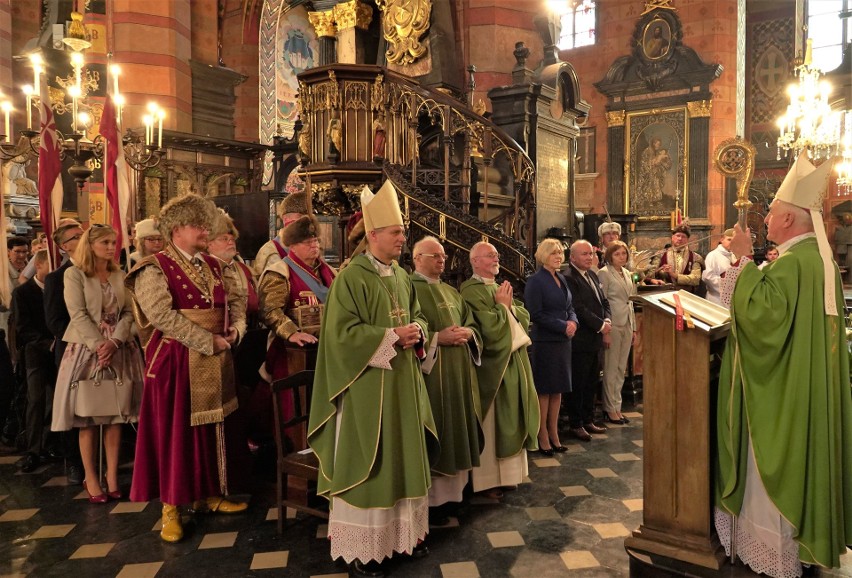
296	471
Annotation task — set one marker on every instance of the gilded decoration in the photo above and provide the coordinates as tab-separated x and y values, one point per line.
323	23
734	158
355	95
404	24
377	96
699	108
615	118
353	14
657	5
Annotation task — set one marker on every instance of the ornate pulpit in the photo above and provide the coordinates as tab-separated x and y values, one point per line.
680	379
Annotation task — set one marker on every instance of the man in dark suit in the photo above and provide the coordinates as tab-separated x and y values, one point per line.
56	316
593	312
35	342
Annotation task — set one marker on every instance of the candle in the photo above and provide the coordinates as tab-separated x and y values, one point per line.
148	121
161	114
115	70
7	108
74	93
36	61
28	92
77	62
119	105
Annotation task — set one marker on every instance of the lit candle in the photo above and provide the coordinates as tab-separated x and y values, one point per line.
77	61
161	114
36	61
119	105
115	70
74	93
7	108
28	92
148	120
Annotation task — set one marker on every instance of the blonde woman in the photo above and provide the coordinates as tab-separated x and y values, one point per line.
98	336
553	324
618	286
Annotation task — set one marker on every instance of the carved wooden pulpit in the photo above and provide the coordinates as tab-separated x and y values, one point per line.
680	379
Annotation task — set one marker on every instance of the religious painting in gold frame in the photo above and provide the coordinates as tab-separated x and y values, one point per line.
656	163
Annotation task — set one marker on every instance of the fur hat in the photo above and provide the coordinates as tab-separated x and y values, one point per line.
608	227
189	209
224	225
146	228
355	228
682	228
300	230
293	203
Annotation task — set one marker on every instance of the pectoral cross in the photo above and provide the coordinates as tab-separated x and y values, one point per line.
397	313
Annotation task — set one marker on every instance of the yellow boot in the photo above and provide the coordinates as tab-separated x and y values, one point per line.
172	530
220	505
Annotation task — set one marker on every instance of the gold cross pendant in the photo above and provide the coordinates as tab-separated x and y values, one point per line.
398	313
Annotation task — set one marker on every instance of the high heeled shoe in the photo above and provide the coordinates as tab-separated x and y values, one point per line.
115	495
558	448
546	452
101	498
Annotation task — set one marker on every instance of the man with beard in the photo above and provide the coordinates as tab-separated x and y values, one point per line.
189	318
289	210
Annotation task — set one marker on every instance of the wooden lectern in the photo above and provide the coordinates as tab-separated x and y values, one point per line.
680	379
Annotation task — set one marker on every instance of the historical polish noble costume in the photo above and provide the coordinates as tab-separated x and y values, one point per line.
784	413
294	205
450	374
370	414
181	301
506	389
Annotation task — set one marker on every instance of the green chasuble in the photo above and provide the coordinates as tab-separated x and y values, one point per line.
504	376
374	453
452	387
785	383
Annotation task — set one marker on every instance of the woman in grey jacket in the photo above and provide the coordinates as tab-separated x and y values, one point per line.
98	337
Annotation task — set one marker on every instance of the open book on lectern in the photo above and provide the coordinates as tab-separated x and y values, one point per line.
701	309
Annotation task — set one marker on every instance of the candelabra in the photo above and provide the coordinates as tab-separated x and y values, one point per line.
140	153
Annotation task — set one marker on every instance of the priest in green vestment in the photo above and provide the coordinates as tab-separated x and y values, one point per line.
450	373
506	389
784	415
370	417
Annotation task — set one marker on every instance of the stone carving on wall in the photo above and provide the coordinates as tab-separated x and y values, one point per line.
404	24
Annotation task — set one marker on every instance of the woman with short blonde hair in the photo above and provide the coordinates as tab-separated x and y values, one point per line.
553	324
98	337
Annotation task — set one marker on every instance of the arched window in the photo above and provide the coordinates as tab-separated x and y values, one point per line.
828	27
578	22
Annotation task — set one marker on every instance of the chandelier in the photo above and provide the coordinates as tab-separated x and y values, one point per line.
84	145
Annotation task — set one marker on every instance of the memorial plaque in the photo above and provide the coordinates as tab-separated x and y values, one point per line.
552	181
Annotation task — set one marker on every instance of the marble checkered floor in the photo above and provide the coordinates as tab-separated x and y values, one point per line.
571	519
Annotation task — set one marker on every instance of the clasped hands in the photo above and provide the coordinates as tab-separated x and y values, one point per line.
221	343
105	351
454	335
409	335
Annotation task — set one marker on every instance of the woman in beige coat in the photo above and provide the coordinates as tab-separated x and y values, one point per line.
618	285
98	336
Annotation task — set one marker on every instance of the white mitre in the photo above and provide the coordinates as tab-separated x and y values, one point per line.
805	186
382	209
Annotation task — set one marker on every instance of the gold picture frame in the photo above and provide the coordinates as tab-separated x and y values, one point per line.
656	163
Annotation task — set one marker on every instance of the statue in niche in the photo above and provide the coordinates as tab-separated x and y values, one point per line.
305	142
17	182
335	139
379	138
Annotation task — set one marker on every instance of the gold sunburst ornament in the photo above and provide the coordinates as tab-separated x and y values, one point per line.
734	157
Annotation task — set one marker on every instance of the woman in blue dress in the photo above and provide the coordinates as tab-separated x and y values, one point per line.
553	324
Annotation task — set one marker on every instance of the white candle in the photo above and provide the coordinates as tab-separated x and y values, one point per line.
36	61
28	92
148	121
161	114
7	108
